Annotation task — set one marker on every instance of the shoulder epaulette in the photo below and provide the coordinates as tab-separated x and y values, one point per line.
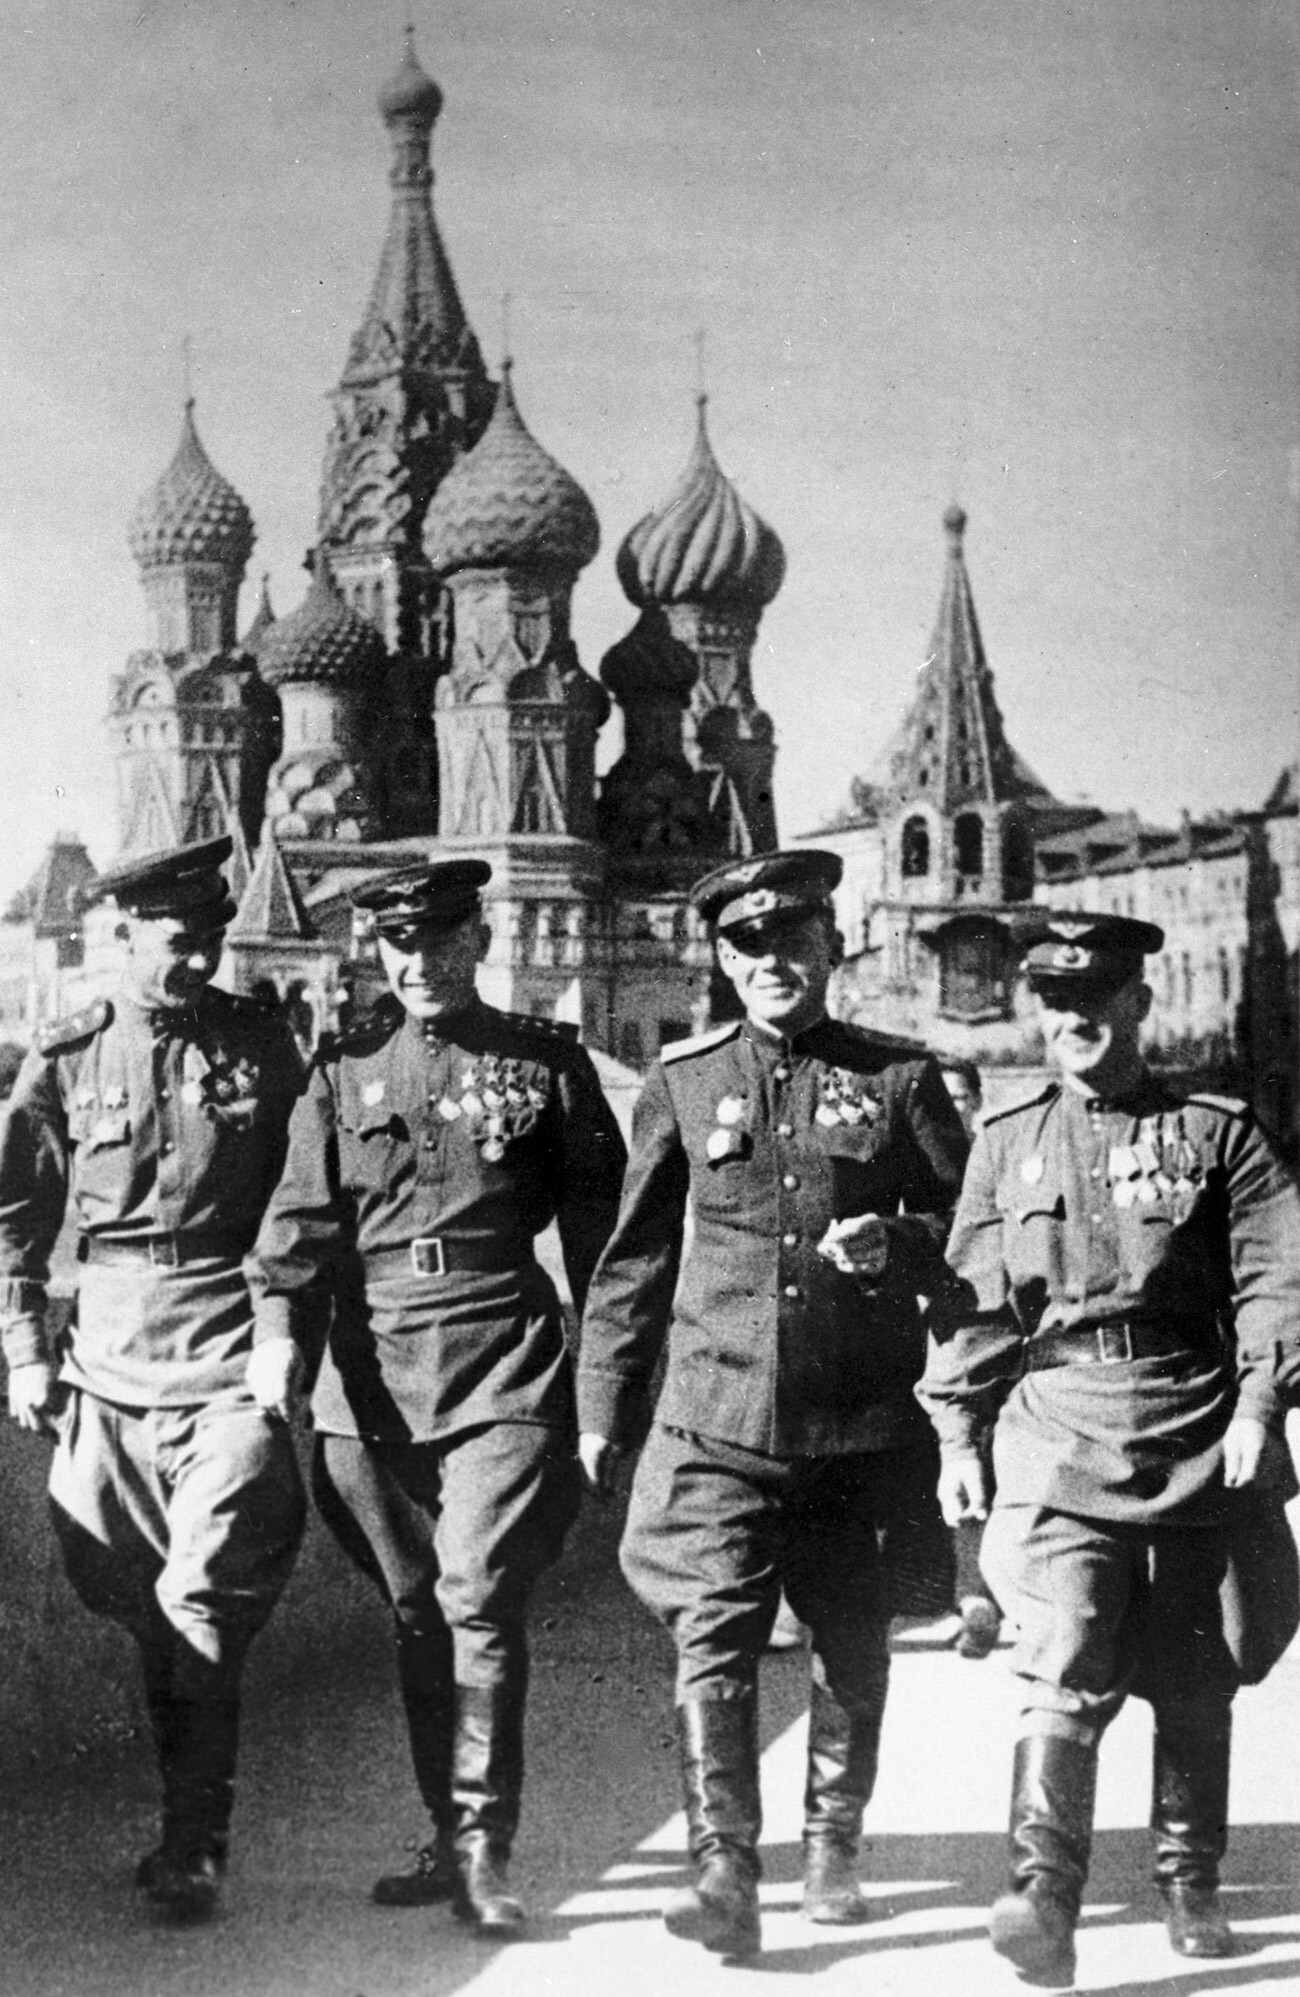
1232	1105
563	1029
369	1032
889	1043
699	1043
1017	1103
64	1033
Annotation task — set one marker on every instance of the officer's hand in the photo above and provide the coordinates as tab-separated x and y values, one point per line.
600	1459
963	1490
857	1247
35	1396
1251	1454
274	1376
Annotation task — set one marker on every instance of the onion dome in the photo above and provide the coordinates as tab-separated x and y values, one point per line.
323	640
410	94
262	621
508	504
648	660
192	514
704	544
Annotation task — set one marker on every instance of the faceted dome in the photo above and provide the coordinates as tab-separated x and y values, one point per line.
507	503
704	544
409	93
192	514
323	640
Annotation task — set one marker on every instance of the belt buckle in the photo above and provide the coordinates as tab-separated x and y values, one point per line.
428	1257
164	1252
1114	1343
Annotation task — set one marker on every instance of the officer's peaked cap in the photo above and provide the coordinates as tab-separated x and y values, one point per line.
1088	949
184	883
747	894
440	896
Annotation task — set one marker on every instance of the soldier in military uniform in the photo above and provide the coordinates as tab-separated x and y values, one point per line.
432	1145
162	1114
1116	1363
821	1162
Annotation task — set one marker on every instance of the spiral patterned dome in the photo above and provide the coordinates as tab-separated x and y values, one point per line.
323	640
508	503
192	514
704	544
409	93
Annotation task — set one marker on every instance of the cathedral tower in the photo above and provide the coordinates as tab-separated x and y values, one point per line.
507	533
413	396
192	725
711	566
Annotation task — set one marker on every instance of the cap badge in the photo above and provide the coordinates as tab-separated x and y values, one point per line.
1071	957
1070	930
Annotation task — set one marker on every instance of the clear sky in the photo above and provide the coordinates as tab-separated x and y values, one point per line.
1036	257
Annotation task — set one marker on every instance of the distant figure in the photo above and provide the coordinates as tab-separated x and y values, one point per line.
820	1161
962	1081
1113	1373
162	1113
11	1060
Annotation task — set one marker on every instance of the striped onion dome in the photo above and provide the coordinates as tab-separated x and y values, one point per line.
507	503
704	544
192	514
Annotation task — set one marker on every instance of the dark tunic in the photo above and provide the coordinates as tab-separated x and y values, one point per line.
772	1348
474	1136
1159	1209
166	1128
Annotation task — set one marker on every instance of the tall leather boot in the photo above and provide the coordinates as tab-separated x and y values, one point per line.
1053	1793
183	1875
843	1752
718	1743
1189	1816
427	1681
487	1781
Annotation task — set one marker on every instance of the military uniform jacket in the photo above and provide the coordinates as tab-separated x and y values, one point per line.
473	1137
165	1128
1158	1209
771	1347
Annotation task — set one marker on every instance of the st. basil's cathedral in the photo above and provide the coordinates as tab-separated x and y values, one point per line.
427	691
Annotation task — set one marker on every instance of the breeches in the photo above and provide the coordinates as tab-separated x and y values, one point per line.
193	1512
454	1531
715	1533
1105	1609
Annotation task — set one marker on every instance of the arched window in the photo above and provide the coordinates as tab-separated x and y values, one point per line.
968	842
1018	863
916	849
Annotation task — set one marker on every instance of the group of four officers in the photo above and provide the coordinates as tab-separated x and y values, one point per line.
1112	1340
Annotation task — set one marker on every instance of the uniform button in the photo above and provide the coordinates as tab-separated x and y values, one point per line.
164	1095
789	1182
780	1074
1096	1220
1096	1171
792	1289
165	1148
789	1241
785	1130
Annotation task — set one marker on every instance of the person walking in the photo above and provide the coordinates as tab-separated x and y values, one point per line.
821	1163
160	1116
432	1145
1112	1372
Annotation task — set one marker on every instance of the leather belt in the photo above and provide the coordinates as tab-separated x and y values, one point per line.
1114	1343
155	1251
449	1255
